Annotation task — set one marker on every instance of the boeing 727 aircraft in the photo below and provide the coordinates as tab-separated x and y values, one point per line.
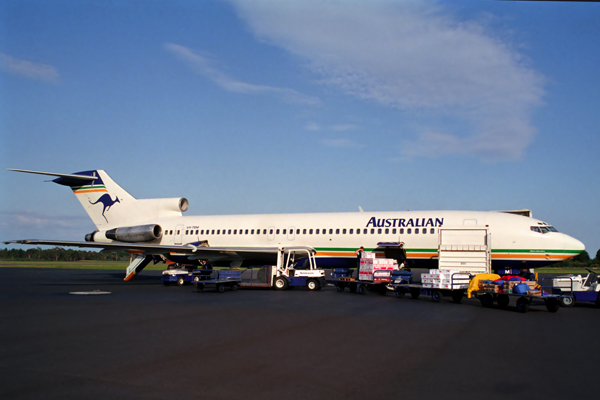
155	229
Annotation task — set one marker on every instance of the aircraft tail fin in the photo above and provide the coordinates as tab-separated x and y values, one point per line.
108	204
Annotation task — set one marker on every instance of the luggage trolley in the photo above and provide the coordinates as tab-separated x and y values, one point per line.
524	300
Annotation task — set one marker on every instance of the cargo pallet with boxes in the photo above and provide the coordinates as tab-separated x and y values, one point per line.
437	283
375	274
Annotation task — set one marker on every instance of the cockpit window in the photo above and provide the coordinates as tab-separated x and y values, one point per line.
543	229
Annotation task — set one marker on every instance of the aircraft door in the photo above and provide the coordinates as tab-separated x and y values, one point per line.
178	234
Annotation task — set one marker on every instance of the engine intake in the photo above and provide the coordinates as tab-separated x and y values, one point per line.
130	234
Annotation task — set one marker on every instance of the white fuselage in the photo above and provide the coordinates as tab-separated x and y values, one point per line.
337	236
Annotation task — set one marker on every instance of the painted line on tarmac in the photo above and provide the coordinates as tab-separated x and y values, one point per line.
89	293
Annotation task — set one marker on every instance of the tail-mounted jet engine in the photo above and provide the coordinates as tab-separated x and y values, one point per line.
130	234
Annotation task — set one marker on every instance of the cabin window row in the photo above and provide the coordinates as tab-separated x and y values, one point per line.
305	231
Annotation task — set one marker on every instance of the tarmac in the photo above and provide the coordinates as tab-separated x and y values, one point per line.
146	340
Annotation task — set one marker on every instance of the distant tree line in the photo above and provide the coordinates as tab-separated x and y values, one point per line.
583	259
60	254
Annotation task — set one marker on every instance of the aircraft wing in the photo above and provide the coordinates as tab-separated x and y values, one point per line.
264	254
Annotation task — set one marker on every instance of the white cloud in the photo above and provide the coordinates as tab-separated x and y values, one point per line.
28	69
418	58
204	66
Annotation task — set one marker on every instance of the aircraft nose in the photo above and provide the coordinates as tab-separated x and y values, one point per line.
573	244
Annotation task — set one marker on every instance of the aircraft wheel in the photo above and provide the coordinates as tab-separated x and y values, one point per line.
567	301
522	305
281	283
220	287
181	281
552	305
503	300
312	285
362	289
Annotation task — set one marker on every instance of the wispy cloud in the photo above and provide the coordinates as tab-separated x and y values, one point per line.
28	69
419	58
343	143
203	65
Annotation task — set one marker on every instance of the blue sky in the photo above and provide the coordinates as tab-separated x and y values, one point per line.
302	106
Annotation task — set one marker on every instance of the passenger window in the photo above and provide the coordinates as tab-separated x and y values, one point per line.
387	231
394	231
235	231
432	231
365	231
331	231
310	231
402	231
416	230
297	231
284	231
258	231
304	231
372	231
337	231
408	231
343	231
379	231
316	232
186	232
351	231
358	231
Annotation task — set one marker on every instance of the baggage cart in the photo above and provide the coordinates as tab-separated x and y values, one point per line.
524	300
222	279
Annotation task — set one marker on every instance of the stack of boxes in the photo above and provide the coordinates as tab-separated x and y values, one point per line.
445	279
372	268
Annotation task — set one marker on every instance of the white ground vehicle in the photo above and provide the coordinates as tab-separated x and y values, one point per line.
582	288
179	273
296	266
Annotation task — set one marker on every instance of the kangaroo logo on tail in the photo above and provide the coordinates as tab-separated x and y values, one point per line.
107	201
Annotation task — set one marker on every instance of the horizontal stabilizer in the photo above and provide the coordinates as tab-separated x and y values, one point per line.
82	178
